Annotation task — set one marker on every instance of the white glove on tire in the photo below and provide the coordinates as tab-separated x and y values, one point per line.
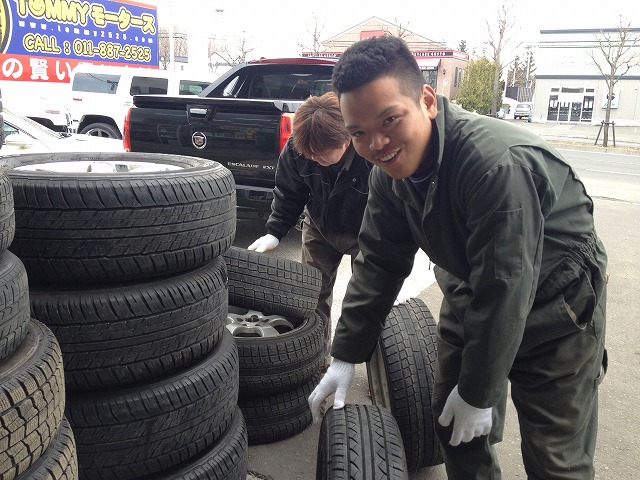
468	422
264	244
337	379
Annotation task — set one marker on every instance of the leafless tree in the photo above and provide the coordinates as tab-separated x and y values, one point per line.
497	43
221	53
615	53
164	46
315	30
403	30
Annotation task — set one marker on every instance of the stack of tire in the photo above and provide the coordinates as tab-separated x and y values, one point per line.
126	268
36	441
272	304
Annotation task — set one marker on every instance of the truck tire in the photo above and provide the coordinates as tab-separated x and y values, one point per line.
360	442
144	429
101	130
272	285
14	304
7	218
78	228
401	374
227	460
59	461
122	334
274	417
275	353
32	400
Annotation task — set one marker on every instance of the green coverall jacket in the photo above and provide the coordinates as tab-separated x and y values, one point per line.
502	213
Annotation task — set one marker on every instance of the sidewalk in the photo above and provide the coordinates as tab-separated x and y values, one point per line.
584	135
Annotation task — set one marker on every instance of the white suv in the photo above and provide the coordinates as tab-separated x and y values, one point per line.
101	95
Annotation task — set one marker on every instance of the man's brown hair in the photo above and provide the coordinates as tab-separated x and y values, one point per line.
318	125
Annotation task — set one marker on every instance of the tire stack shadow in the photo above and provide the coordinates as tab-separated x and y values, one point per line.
272	304
36	440
126	269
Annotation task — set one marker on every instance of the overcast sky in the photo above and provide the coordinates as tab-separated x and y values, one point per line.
275	28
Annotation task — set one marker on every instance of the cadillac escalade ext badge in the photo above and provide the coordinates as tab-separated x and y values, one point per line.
199	140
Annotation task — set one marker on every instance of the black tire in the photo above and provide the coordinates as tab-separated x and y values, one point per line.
148	428
272	285
77	228
14	304
32	400
401	374
227	460
275	353
59	461
360	442
104	130
271	418
7	218
122	334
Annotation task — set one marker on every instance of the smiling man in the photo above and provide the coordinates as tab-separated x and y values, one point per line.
510	227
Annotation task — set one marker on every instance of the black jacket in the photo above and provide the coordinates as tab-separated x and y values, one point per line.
302	182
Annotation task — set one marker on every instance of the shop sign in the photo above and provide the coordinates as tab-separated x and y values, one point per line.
43	40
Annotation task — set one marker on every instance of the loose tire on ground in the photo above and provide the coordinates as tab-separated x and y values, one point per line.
401	375
275	353
360	442
148	428
14	304
277	416
137	222
272	285
119	334
227	460
32	400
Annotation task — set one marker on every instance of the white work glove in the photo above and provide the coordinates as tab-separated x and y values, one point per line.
264	244
337	379
468	422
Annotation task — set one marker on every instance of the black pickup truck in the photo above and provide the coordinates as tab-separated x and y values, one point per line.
242	121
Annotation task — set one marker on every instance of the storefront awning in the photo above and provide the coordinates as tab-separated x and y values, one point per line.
428	63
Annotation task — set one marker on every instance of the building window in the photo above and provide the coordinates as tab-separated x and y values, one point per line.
431	78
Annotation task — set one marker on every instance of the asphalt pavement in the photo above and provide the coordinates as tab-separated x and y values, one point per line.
618	449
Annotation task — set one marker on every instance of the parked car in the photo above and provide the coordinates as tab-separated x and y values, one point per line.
99	95
523	110
50	113
23	135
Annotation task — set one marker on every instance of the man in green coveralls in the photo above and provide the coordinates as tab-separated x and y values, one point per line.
510	227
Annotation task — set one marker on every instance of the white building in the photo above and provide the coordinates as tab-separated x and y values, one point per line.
570	87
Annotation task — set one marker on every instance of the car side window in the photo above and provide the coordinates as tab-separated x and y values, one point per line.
95	82
153	85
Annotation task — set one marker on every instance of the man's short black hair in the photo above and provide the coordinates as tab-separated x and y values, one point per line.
376	57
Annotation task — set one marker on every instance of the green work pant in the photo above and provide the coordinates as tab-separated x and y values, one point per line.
324	251
554	377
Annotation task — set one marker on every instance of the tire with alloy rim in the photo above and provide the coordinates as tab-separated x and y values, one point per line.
95	218
401	374
360	442
14	304
32	400
119	334
144	429
275	353
101	130
270	284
